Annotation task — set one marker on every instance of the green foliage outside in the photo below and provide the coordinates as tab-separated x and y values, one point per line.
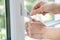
2	14
1	2
29	4
2	20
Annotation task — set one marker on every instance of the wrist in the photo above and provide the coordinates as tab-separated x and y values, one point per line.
58	8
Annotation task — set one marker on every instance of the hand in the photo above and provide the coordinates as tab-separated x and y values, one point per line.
49	8
46	8
51	33
39	30
38	5
35	29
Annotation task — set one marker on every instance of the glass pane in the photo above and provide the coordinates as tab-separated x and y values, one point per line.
2	20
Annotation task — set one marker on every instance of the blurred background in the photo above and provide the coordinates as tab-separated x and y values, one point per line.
2	20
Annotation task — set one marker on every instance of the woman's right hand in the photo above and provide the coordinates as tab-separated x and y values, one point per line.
46	8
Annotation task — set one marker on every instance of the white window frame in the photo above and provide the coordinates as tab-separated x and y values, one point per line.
17	20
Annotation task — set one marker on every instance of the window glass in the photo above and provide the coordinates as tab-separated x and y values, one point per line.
2	20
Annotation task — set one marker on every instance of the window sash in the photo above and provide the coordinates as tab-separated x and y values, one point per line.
17	20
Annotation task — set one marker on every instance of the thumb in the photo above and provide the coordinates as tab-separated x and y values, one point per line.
34	12
33	20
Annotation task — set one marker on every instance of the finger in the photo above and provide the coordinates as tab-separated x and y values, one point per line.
38	11
34	12
38	5
44	12
33	20
28	29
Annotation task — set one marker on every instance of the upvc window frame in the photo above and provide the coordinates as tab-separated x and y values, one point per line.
16	19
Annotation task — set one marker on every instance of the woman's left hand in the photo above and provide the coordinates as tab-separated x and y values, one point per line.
39	30
35	29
